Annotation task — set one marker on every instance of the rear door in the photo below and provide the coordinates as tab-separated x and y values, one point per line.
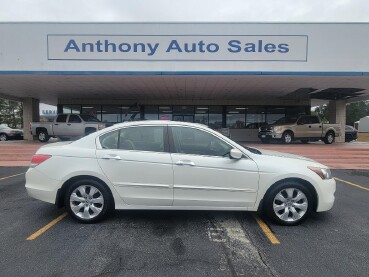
205	175
137	161
315	127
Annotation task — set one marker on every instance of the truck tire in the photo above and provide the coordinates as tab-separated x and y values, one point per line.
329	138
287	137
43	136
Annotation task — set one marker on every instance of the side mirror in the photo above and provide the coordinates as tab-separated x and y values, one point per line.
235	154
300	123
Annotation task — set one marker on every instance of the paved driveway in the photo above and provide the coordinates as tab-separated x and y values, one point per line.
182	243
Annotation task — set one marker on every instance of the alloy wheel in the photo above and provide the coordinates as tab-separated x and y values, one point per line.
287	138
290	204
86	202
3	137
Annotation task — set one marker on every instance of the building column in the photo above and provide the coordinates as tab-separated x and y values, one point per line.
337	114
31	113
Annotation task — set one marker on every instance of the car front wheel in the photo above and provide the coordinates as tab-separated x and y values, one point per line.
88	201
288	203
43	136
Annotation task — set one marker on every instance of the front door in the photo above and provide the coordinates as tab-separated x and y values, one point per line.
137	161
60	125
205	175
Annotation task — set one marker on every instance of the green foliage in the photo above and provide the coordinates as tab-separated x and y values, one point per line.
322	112
355	111
11	113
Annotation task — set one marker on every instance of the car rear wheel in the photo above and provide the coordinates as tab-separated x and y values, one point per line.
88	201
329	138
289	203
43	136
3	137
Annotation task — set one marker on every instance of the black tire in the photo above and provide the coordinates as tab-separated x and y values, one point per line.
107	206
3	137
329	138
270	198
43	136
266	141
287	137
305	141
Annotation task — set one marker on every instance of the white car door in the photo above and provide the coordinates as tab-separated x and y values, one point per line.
138	163
205	175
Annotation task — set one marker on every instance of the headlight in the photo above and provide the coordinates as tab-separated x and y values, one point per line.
323	173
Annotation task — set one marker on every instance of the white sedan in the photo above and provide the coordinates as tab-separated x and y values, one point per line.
176	166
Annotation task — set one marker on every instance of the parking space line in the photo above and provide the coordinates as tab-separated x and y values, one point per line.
270	235
351	184
46	227
7	177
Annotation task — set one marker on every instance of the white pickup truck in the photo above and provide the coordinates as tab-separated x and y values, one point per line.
66	126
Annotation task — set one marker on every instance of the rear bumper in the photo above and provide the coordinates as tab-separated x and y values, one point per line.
40	186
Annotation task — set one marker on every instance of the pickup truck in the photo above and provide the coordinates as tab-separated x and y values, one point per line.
66	126
304	128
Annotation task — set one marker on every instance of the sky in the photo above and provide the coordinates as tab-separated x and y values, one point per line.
185	10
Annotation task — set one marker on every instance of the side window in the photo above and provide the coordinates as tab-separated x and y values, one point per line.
314	120
74	119
109	140
62	118
303	120
144	138
197	142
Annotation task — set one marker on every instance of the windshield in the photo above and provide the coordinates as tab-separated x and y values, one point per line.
89	118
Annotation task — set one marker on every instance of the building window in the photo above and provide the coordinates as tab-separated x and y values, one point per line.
93	110
165	112
274	114
215	117
75	109
236	117
130	113
151	113
202	115
111	114
255	117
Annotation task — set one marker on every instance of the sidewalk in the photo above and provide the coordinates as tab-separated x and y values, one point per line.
354	155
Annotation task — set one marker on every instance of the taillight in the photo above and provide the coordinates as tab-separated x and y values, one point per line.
38	159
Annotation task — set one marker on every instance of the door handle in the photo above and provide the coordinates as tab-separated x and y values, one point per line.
111	157
56	124
68	124
309	126
185	162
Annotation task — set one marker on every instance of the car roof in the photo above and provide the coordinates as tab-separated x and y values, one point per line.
158	122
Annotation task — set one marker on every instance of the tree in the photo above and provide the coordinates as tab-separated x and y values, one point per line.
322	112
11	113
355	111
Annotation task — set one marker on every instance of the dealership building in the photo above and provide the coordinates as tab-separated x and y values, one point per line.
224	75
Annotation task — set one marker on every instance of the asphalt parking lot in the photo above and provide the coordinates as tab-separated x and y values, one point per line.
182	243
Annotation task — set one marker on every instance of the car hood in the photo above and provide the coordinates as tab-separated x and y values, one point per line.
284	155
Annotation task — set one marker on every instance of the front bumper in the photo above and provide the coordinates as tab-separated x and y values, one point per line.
326	196
269	135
